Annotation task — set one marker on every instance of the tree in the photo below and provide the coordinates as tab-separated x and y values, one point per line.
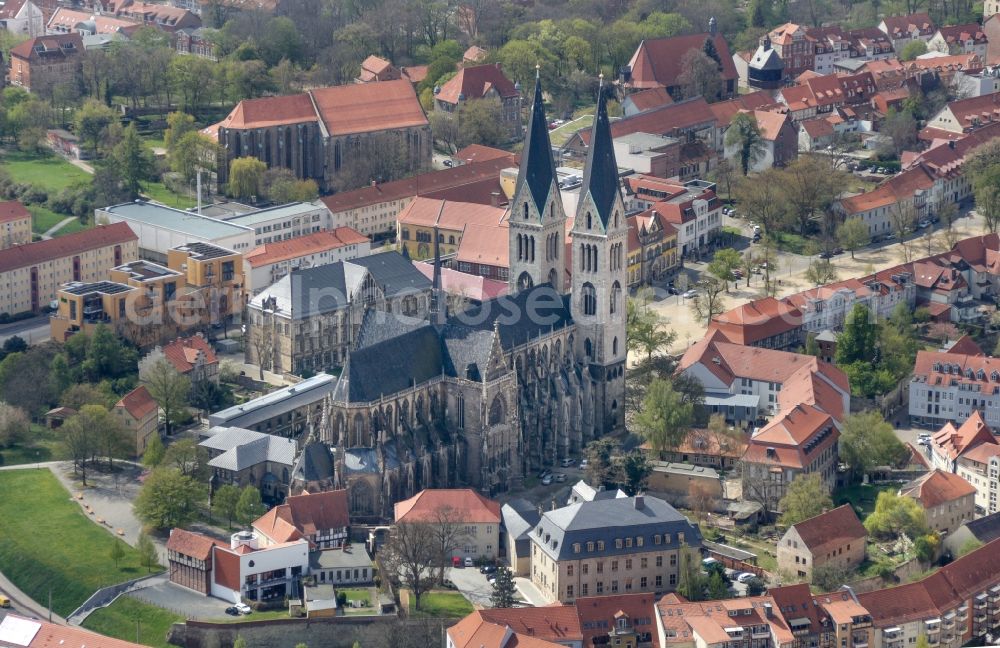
756	586
810	185
117	552
723	263
168	388
133	161
153	456
450	534
744	136
91	121
148	557
186	456
645	330
760	199
700	76
708	302
191	153
820	272
868	441
718	588
692	581
80	394
830	576
901	129
600	462
747	265
857	342
912	50
986	188
665	418
701	499
632	471
14	425
226	500
411	553
480	121
80	443
245	177
249	507
504	591
926	547
168	499
812	346
178	125
106	356
852	234
895	515
805	497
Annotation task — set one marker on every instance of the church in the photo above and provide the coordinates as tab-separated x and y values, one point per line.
486	396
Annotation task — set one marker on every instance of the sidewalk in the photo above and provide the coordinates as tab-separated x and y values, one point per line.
530	592
49	233
23	603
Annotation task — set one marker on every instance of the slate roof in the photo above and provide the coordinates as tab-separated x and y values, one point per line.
418	356
607	520
521	318
600	177
537	170
519	517
379	326
315	463
985	529
242	449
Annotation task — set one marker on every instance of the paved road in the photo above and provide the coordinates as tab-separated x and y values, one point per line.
471	584
33	330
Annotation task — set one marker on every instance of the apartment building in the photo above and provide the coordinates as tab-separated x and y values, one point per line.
691	208
32	274
483	82
284	222
269	262
609	546
140	415
478	516
15	224
423	218
766	323
902	30
948	500
980	467
653	252
834	537
951	387
43	63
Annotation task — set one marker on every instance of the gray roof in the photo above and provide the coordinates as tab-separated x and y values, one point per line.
584	492
340	559
985	529
199	227
315	463
766	59
268	406
379	326
242	449
365	460
684	469
826	335
394	273
519	517
610	520
257	216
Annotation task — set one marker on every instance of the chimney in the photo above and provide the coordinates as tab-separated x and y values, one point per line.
373	183
640	502
951	144
495	198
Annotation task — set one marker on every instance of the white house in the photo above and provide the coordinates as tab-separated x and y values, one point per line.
247	571
22	17
269	262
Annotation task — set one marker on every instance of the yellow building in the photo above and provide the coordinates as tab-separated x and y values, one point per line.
15	224
423	216
653	252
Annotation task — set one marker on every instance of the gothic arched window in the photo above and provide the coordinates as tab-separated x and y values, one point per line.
497	411
525	211
588	298
616	295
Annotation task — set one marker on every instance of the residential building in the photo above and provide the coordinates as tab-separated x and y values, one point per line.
327	134
308	320
691	208
851	621
283	412
483	251
139	413
478	631
991	8
653	252
644	100
947	499
655	155
423	218
342	567
372	210
20	631
245	571
977	83
269	262
834	537
480	82
321	518
827	307
702	447
247	458
766	323
15	224
519	517
979	531
196	42
980	467
815	134
819	95
42	63
161	229
479	517
949	443
779	137
66	20
32	274
22	17
375	68
960	39
609	546
953	387
904	29
966	115
164	17
904	197
192	357
657	63
280	223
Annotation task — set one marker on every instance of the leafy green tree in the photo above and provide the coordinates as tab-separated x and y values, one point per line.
168	499
153	456
692	581
148	557
225	501
665	418
117	552
926	547
80	394
249	507
504	591
632	470
187	457
912	50
107	356
480	121
900	126
830	576
806	497
745	137
645	328
91	122
756	586
717	587
857	343
812	346
133	161
986	187
600	462
853	234
245	177
168	388
820	272
178	125
868	441
723	263
895	515
193	152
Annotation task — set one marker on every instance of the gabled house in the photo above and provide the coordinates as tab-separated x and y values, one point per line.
247	458
191	356
463	506
22	17
949	443
657	63
139	413
482	82
947	499
15	224
42	63
903	29
960	39
834	537
320	518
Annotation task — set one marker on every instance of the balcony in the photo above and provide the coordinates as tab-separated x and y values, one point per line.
761	634
894	632
861	644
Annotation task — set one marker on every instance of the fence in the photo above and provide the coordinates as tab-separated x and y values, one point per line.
106	596
740	565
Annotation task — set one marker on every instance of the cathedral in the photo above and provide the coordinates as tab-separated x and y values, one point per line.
486	396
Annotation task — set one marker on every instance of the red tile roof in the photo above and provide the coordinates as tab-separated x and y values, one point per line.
465	505
770	123
51	635
305	515
65	18
959	34
192	544
937	368
480	153
53	46
952	442
184	353
299	246
900	187
477	631
10	9
793	427
485	244
938	487
900	26
450	215
23	256
600	613
976	110
657	61
139	403
477	82
651	98
271	111
757	320
13	210
832	528
816	128
662	121
551	623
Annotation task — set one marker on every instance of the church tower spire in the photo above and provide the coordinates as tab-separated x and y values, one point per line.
537	220
600	241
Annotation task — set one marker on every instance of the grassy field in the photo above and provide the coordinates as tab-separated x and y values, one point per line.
74	559
119	620
43	447
795	243
156	191
561	135
862	496
440	605
46	170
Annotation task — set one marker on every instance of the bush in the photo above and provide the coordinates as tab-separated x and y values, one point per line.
885	571
34	195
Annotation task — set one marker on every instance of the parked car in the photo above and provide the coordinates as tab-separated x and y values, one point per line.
756	238
891	236
738	273
567	462
546	480
926	222
232	611
560	477
243	608
487	569
745	577
544	473
584	464
689	294
673	290
469	562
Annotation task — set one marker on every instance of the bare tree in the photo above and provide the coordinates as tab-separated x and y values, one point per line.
701	499
410	555
902	216
450	533
709	301
262	343
820	272
758	487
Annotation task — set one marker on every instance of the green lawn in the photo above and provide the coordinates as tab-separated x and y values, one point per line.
119	620
440	605
561	135
73	561
358	594
44	170
156	191
43	218
43	447
72	227
862	496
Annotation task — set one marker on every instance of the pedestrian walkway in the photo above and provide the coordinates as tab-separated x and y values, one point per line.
49	233
530	592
